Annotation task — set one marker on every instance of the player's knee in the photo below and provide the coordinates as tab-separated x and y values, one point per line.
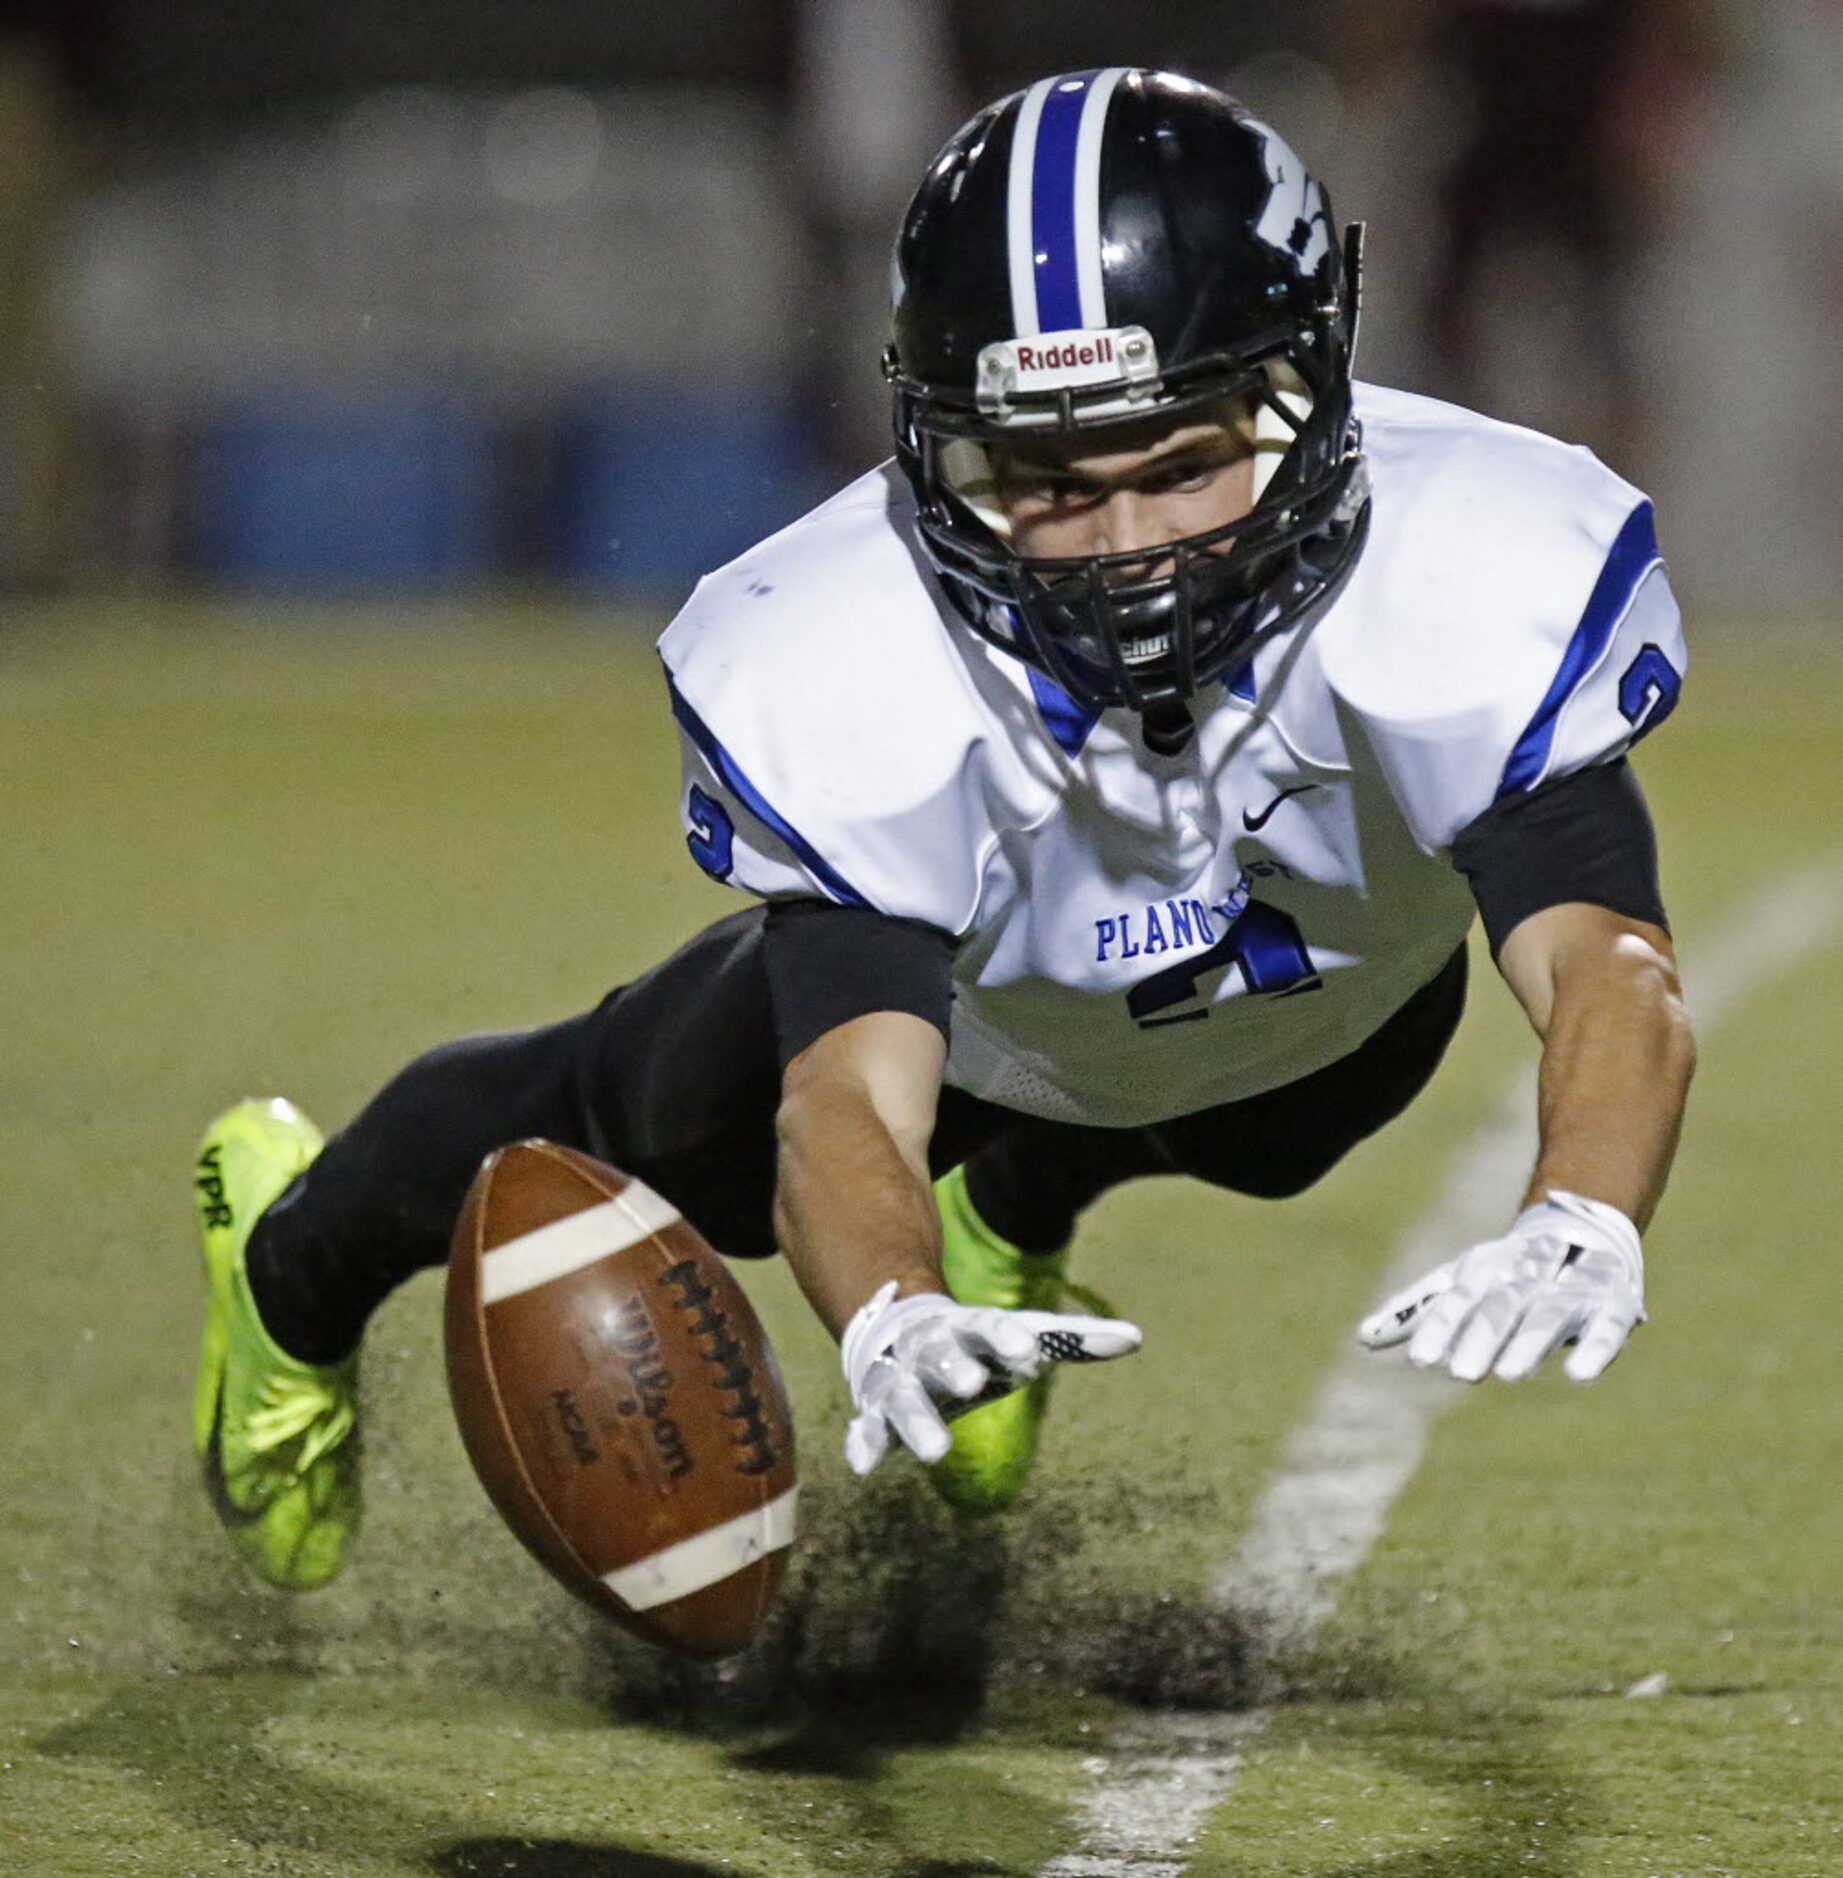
1284	1185
1283	1177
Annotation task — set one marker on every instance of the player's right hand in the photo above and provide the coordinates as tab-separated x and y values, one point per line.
913	1363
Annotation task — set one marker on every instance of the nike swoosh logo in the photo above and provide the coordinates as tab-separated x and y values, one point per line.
212	1461
1255	822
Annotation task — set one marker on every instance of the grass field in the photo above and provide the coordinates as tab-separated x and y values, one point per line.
245	857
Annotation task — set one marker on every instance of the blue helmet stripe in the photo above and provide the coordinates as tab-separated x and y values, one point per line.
1052	204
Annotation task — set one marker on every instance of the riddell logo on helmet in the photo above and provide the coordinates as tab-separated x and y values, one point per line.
1071	353
1036	363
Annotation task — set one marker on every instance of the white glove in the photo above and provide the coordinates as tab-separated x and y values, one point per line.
908	1359
1568	1271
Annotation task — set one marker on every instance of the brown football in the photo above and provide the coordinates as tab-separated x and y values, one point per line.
618	1398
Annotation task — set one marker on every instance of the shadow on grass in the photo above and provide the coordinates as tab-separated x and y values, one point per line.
560	1858
1518	1804
952	1868
203	1739
205	1743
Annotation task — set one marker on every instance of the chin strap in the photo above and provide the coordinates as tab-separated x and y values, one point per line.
1167	727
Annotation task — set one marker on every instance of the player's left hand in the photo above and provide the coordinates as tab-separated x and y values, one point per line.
915	1362
1568	1271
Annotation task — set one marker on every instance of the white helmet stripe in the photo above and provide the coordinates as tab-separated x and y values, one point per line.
1021	249
1088	195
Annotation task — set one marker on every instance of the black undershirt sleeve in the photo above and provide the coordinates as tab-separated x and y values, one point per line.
828	964
1586	837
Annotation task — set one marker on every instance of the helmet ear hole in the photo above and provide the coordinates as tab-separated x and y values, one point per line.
1278	420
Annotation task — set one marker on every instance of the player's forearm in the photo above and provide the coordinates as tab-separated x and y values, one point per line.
852	1209
1616	1064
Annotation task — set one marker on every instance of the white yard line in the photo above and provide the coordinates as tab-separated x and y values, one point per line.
1155	1788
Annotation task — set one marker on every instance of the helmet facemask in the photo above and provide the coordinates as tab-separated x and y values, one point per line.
1149	628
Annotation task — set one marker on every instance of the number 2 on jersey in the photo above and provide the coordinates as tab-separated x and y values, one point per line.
1263	942
1649	689
712	839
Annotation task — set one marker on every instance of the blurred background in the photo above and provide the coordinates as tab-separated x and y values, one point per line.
321	298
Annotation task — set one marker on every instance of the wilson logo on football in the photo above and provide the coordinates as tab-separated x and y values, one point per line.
637	1345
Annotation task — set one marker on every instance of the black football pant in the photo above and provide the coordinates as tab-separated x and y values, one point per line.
675	1079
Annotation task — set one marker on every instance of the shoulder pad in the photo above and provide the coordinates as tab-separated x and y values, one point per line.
841	717
1509	620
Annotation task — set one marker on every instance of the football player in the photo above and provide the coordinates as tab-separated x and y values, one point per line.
1115	775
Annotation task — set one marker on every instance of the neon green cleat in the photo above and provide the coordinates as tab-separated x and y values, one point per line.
994	1446
275	1436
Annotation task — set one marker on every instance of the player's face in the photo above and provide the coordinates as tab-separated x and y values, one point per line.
1134	486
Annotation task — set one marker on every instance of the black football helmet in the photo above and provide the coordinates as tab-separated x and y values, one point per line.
1102	247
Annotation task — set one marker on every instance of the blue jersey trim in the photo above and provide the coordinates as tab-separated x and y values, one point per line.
1631	557
1242	684
1052	204
1067	722
758	805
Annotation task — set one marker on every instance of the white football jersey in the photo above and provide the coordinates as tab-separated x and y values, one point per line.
1142	936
